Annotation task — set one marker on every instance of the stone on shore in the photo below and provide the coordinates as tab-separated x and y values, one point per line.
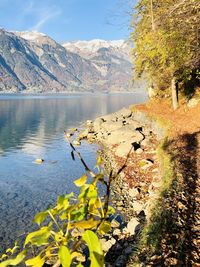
123	149
132	224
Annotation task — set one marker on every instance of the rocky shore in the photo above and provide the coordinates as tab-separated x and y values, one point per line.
129	138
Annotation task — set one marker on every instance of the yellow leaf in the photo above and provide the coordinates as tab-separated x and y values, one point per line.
4	256
35	262
86	224
104	228
99	160
40	217
39	237
13	262
81	181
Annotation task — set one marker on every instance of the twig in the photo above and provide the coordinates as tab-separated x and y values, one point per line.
80	157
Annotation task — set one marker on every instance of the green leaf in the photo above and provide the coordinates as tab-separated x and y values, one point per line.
79	214
39	237
64	256
13	262
62	202
92	191
35	262
83	191
40	217
81	181
95	249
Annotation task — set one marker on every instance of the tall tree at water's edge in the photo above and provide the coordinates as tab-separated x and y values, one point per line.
166	40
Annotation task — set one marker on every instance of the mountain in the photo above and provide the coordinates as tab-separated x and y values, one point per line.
87	49
34	62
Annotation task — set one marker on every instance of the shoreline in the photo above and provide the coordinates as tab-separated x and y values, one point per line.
131	137
68	93
160	198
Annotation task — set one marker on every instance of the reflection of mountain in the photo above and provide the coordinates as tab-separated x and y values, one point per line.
40	119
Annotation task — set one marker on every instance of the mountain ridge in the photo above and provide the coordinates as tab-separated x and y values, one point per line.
34	62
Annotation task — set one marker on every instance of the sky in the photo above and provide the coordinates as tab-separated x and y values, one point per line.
68	20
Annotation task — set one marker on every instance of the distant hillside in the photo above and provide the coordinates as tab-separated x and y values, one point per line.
33	62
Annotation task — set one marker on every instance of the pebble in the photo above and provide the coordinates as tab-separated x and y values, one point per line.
133	192
131	226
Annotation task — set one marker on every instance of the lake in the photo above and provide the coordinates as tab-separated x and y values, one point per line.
32	127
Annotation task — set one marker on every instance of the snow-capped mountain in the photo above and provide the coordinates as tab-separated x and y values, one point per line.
35	62
31	36
87	49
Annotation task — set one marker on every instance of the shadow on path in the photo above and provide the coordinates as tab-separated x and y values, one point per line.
176	229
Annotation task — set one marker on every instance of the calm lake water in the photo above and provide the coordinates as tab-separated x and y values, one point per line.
32	127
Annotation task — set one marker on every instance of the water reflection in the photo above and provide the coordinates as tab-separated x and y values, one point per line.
32	128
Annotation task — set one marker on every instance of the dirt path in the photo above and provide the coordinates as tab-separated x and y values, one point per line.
180	218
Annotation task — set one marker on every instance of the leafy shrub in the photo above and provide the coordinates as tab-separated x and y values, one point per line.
69	229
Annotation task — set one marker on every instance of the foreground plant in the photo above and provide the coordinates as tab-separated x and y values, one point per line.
70	230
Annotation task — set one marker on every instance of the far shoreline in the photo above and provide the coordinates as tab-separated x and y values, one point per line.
66	94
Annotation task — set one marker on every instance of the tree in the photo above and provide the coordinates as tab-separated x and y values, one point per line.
166	38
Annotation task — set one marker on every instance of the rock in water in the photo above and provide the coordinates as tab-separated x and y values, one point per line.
39	161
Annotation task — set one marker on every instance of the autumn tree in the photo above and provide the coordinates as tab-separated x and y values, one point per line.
166	38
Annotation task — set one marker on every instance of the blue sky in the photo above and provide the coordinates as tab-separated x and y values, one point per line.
68	19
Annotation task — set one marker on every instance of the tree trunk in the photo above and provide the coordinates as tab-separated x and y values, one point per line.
152	17
174	93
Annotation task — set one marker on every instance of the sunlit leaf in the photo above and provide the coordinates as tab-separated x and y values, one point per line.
40	217
79	214
111	210
35	262
15	261
58	236
4	256
99	160
64	256
81	181
39	237
89	224
84	190
95	249
63	201
92	191
104	227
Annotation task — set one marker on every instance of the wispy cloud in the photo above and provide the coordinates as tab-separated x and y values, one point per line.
48	15
40	13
